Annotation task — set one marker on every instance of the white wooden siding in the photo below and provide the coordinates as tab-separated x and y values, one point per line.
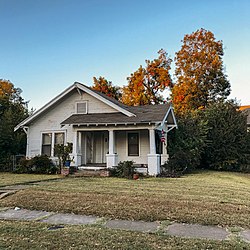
95	105
122	146
50	121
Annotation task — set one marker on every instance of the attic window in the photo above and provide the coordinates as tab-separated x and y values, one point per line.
81	108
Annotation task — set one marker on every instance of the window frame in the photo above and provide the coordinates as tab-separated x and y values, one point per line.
63	133
46	145
138	136
80	102
52	146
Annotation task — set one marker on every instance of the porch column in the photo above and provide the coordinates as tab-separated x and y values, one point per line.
112	158
153	158
111	141
152	141
76	150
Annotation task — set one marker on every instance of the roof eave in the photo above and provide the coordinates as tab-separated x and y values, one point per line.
110	123
46	106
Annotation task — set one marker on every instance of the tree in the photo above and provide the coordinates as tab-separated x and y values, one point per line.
145	84
199	72
106	87
186	144
13	109
228	141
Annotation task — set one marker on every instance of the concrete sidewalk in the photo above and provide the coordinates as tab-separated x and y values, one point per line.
173	229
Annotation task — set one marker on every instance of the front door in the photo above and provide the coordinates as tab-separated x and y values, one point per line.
89	147
100	146
105	146
95	146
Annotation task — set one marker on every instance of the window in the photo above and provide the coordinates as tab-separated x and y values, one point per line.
133	144
81	108
51	139
46	144
59	138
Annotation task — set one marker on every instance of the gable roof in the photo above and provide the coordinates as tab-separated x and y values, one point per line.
143	114
79	87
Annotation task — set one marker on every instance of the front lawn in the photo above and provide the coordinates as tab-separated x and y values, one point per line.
207	198
31	235
13	179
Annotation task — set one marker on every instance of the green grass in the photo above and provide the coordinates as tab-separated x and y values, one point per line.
207	198
30	235
13	179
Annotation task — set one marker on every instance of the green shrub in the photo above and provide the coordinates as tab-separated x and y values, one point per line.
24	166
124	169
40	164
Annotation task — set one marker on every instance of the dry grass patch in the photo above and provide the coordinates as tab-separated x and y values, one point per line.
28	235
205	198
13	179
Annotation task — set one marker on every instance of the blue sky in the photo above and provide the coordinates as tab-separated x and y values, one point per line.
46	45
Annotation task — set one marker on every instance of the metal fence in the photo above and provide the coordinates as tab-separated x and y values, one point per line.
10	163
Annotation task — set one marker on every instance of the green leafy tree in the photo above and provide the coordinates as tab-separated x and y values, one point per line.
146	84
13	109
199	72
186	144
106	87
63	153
228	140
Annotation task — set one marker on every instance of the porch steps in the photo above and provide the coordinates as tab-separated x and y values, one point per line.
91	172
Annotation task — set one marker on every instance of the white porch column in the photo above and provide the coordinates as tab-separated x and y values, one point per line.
112	158
111	141
153	158
76	151
152	141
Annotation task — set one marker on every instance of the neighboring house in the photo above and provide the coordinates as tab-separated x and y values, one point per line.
103	131
246	110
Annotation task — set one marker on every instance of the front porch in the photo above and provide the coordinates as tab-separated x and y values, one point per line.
98	149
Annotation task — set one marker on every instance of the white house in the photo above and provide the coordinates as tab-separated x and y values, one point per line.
103	131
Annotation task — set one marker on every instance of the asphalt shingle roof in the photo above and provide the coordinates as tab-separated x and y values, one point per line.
143	114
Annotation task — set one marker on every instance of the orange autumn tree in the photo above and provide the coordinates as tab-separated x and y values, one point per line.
106	87
199	72
146	84
6	88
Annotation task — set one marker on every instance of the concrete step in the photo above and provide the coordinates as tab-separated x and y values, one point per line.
91	173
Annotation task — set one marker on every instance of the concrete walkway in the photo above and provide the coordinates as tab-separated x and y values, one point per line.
173	229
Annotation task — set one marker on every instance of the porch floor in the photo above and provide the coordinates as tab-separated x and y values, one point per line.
93	166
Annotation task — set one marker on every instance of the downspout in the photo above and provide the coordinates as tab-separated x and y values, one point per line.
26	131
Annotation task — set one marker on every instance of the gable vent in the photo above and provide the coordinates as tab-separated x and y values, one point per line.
81	108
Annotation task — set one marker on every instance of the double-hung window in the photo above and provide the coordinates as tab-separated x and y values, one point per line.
133	144
49	140
46	144
59	139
